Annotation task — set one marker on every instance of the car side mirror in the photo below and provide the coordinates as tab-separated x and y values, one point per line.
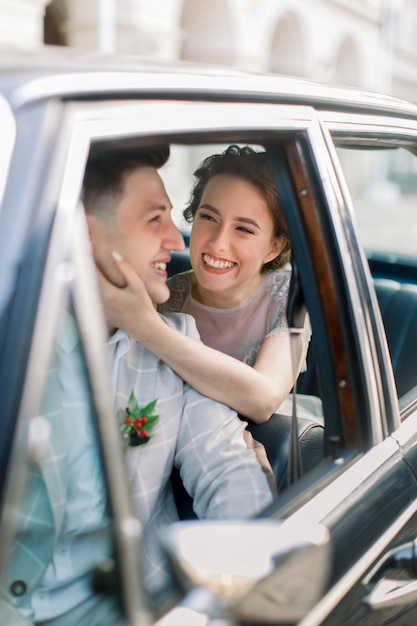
263	570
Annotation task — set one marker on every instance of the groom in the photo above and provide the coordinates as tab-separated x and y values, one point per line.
200	436
128	213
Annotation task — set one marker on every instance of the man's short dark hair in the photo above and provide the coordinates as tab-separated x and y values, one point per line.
105	173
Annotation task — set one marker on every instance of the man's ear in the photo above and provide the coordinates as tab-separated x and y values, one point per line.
276	248
94	226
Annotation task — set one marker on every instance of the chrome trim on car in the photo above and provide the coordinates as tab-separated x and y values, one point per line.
368	124
150	118
8	137
342	488
407	430
203	81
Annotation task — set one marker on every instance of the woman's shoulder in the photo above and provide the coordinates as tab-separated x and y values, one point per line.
180	279
179	286
277	283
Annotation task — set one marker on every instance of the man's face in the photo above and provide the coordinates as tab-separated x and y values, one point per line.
142	232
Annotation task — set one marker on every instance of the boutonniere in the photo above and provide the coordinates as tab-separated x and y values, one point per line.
137	423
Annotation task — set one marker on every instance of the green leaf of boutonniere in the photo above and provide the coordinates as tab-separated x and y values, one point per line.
137	423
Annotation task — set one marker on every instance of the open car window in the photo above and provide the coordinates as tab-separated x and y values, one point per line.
330	391
325	390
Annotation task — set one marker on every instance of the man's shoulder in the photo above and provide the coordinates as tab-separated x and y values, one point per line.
182	322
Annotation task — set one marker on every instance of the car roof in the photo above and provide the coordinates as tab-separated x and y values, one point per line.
66	73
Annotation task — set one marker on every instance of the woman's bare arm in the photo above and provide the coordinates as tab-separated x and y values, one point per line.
254	392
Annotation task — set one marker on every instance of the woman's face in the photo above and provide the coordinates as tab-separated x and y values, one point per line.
231	239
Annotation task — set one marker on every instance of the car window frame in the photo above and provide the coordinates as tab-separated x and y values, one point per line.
148	122
8	138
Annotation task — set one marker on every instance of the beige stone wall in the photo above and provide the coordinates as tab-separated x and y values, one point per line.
21	22
364	43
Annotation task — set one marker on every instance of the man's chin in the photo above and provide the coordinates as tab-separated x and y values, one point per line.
159	296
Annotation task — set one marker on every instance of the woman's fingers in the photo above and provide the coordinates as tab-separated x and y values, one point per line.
262	457
135	285
129	308
129	274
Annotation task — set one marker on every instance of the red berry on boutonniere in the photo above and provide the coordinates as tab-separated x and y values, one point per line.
133	418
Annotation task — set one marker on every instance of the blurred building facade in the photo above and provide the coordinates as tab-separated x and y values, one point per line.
365	43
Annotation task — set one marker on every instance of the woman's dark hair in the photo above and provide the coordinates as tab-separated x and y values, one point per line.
251	166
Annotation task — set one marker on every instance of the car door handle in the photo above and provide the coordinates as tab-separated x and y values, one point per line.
388	592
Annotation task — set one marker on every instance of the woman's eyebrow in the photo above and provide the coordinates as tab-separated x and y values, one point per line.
209	207
245	220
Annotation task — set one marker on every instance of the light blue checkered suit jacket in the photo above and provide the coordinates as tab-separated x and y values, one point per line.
42	513
200	436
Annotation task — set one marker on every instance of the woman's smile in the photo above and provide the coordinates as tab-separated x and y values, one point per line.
216	263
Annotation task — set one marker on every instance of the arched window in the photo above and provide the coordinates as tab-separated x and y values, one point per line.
288	48
347	69
208	32
54	20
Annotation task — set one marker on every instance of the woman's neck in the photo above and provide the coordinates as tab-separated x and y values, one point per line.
226	299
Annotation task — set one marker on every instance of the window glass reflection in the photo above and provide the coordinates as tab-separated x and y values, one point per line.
62	528
383	187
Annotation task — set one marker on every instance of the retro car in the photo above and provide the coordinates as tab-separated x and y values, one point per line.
338	544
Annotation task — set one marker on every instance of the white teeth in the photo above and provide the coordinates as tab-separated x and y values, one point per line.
219	265
160	266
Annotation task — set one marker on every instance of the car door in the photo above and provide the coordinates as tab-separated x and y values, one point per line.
371	508
49	304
